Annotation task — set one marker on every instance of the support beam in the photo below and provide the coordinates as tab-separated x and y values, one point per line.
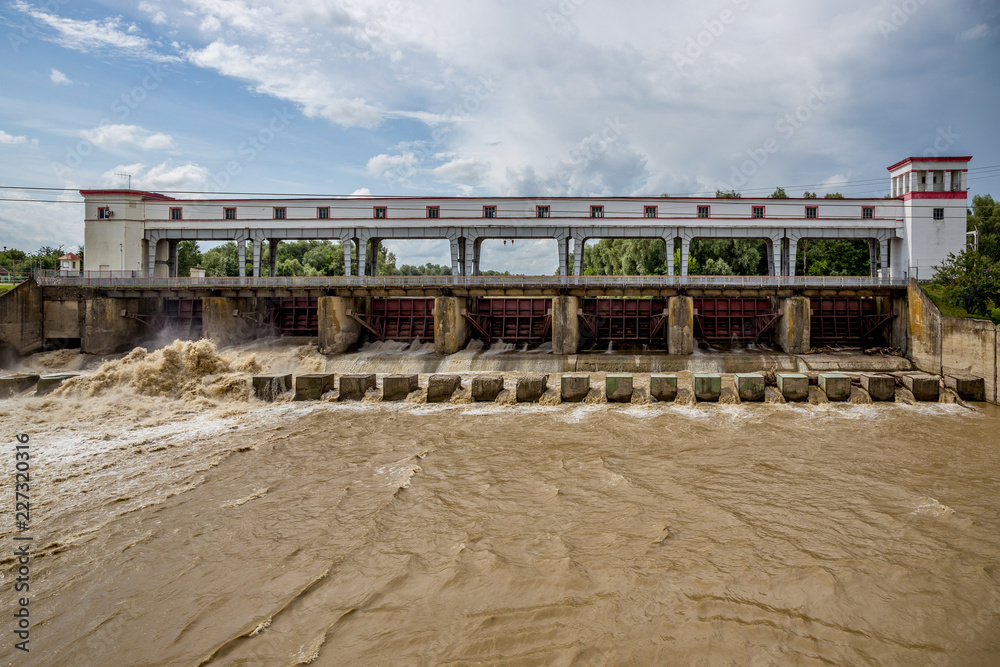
565	324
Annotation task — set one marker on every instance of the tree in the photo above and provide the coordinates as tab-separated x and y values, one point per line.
187	256
779	193
625	257
222	260
833	195
808	195
984	217
970	280
727	194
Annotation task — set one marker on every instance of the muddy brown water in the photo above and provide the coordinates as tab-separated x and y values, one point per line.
178	522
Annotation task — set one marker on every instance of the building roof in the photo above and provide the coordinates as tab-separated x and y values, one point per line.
70	255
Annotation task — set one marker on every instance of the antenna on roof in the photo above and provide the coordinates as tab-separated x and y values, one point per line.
122	175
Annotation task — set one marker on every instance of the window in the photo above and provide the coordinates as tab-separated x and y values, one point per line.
867	212
489	211
812	212
433	211
103	213
650	212
380	213
939	214
757	212
596	211
175	214
323	212
541	211
704	211
229	213
279	212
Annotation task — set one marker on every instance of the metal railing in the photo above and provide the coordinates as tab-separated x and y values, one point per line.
136	280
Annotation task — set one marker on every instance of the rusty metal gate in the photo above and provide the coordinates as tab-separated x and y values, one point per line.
635	321
298	316
184	316
511	320
845	321
401	319
732	320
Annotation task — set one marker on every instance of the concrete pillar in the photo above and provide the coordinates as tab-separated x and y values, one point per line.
371	257
272	257
470	254
685	250
346	244
872	257
22	319
774	267
793	327
172	259
456	268
669	243
241	256
162	258
362	256
477	254
563	242
219	323
338	333
793	249
578	247
256	257
451	329
106	330
565	324
900	327
680	335
883	256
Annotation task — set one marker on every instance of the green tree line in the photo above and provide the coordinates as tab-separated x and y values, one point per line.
970	280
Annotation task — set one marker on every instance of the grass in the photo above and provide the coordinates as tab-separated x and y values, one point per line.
4	287
936	293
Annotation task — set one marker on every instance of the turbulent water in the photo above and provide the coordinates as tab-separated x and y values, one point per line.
179	522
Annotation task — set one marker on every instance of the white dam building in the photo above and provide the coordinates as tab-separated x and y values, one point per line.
908	233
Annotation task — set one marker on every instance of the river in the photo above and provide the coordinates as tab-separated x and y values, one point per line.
176	521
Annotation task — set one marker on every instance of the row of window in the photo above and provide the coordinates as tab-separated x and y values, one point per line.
541	211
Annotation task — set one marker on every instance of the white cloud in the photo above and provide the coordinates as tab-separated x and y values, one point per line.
12	139
59	78
403	164
156	14
108	136
362	192
977	32
97	36
463	170
164	176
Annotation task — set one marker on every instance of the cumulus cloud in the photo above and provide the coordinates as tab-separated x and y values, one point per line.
362	192
12	139
403	163
109	136
164	176
156	15
59	78
977	32
463	170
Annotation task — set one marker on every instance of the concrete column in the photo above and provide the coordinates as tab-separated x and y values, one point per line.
946	180
477	254
563	242
256	257
172	259
106	330
151	256
793	327
22	319
346	246
872	257
565	324
219	324
680	335
669	243
685	251
241	256
451	330
162	259
272	257
775	264
362	256
338	333
456	269
883	255
470	254
964	184
579	243
793	249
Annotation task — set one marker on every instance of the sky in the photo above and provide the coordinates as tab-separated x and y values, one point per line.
481	98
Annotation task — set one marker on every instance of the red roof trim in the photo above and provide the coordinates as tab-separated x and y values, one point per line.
935	195
140	193
71	256
962	158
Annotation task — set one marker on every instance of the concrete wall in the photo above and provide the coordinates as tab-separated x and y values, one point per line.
795	325
952	345
220	325
21	319
680	320
62	319
565	324
451	329
106	330
338	333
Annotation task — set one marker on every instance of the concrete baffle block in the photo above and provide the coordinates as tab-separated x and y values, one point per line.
312	386
793	386
750	386
269	387
486	387
49	383
441	388
836	386
618	388
398	387
968	387
923	387
707	386
880	387
663	387
15	384
353	387
574	388
680	322
531	387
